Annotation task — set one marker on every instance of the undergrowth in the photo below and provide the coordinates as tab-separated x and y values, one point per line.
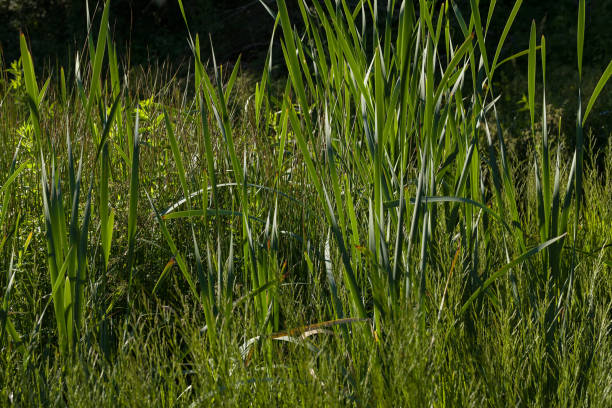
353	234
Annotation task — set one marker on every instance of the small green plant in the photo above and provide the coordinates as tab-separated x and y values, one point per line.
67	244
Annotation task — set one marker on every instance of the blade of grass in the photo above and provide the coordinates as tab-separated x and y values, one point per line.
133	203
598	88
524	256
531	73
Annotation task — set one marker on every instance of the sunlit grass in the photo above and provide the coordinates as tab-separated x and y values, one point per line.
356	234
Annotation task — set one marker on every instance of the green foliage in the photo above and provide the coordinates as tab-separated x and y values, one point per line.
355	234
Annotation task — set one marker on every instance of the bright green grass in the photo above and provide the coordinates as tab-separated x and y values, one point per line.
356	235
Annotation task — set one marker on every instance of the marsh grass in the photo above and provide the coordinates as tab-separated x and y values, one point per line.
355	234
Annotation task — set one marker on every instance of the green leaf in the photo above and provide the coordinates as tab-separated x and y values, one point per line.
12	177
28	70
531	73
133	203
479	35
524	256
598	88
580	35
502	39
94	87
171	244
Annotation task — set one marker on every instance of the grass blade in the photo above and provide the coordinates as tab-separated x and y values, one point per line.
133	206
598	88
524	256
531	73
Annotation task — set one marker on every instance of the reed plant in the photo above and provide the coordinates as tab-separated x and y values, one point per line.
415	104
354	233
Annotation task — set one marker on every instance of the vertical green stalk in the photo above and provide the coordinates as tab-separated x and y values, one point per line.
133	206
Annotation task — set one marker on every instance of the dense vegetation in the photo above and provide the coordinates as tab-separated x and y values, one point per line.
357	233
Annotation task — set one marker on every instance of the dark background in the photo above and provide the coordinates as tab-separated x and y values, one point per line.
155	29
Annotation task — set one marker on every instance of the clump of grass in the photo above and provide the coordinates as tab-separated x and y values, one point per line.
355	238
370	107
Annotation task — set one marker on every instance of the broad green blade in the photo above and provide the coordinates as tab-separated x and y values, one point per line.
580	36
504	34
28	70
447	199
524	256
177	158
531	73
598	88
106	227
232	80
94	86
480	35
545	153
172	246
167	268
12	178
133	204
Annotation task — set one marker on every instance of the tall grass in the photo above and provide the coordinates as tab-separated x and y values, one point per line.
383	109
6	325
68	244
366	205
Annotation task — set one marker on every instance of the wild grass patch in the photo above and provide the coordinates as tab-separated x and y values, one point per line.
353	234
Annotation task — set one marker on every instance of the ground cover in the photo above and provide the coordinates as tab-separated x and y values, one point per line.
355	234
